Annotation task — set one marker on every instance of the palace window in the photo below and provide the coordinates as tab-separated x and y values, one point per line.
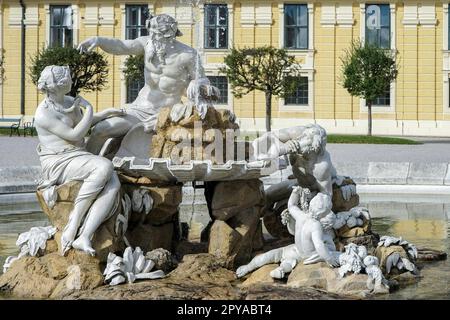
136	15
378	33
300	96
378	25
383	100
216	26
222	84
295	26
61	26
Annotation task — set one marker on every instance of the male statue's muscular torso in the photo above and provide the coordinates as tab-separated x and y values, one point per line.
165	83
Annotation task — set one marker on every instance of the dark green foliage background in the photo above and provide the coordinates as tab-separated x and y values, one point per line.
89	70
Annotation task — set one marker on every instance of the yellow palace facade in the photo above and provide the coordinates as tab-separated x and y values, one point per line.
316	32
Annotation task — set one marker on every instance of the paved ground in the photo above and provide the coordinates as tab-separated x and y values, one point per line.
18	151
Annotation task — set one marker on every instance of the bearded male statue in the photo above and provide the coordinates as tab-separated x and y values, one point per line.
172	70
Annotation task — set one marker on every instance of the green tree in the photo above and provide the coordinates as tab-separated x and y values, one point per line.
367	72
134	68
89	71
266	69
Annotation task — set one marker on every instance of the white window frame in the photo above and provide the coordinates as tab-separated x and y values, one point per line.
123	13
201	36
308	54
310	7
283	107
213	71
75	21
392	6
229	93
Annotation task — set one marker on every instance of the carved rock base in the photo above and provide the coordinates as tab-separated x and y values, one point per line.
52	275
105	238
239	231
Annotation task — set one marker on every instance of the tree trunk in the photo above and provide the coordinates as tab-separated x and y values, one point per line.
268	111
369	118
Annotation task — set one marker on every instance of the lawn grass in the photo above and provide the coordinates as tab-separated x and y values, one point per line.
341	138
5	132
360	139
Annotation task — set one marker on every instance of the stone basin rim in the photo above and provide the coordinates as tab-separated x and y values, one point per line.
196	170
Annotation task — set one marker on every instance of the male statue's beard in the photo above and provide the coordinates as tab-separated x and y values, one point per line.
159	48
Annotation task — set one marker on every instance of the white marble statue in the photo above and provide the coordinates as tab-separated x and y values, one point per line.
355	217
376	281
30	242
394	259
311	163
356	260
133	266
172	70
313	238
62	123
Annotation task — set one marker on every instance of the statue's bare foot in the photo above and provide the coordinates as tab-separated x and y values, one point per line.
84	244
67	238
277	273
242	271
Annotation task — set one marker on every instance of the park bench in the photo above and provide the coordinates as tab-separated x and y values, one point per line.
12	123
28	127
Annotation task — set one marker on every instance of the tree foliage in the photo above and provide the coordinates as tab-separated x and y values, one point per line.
89	71
367	72
265	69
134	68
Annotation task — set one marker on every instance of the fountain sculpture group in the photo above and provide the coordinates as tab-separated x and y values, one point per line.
107	214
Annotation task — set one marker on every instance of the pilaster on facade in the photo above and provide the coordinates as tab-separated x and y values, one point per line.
410	15
445	61
427	15
182	11
344	15
15	15
91	18
328	15
32	16
106	15
337	15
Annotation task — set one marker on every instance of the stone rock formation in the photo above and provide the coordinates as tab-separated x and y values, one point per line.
237	229
52	275
156	228
106	239
195	139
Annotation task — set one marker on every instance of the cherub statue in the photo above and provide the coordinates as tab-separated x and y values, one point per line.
172	70
313	237
62	123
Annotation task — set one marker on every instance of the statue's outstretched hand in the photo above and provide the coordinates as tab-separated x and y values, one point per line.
88	45
82	102
285	217
267	147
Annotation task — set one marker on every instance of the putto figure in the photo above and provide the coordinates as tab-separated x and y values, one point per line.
61	126
312	229
172	70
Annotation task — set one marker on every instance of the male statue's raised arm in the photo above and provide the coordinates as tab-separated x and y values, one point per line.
113	46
